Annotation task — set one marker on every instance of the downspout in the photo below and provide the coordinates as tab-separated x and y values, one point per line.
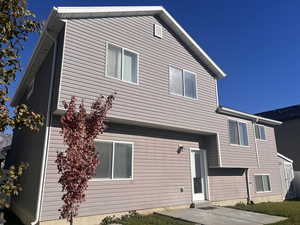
249	201
256	148
48	122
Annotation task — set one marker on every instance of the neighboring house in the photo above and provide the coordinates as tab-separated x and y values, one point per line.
168	142
287	135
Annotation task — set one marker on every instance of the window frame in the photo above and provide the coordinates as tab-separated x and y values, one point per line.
113	160
269	177
259	135
183	83
238	126
107	43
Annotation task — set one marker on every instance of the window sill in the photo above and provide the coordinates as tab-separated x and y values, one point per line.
129	82
261	139
243	146
182	96
262	192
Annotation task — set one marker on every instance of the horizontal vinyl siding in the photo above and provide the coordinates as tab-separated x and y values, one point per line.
149	101
235	156
269	164
159	173
84	69
227	184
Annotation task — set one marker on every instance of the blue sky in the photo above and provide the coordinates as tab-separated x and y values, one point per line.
256	43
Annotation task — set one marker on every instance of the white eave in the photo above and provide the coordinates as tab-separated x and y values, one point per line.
239	114
61	13
92	12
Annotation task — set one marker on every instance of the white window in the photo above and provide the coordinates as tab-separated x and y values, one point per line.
121	63
238	133
182	82
115	160
260	132
262	183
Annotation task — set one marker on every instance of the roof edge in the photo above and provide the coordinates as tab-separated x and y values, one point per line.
88	12
284	157
233	112
30	63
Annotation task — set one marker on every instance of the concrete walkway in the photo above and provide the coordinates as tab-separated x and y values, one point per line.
221	216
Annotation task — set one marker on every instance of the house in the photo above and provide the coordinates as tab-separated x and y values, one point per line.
168	144
287	135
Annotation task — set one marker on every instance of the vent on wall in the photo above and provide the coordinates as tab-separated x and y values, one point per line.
158	31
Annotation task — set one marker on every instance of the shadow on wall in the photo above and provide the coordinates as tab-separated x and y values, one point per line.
226	172
296	183
291	191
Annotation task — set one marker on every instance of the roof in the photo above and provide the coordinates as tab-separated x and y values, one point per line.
285	158
61	13
258	119
283	114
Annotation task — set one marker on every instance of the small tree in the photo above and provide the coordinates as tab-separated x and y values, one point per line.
77	164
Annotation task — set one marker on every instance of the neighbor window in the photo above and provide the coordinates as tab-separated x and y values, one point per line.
260	132
262	183
238	133
121	63
182	82
115	160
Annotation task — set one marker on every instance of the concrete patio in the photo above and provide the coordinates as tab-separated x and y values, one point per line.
213	215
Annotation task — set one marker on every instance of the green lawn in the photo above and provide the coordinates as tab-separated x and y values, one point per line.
152	219
290	209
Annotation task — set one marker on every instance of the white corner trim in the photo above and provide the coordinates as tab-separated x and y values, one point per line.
62	63
219	150
47	135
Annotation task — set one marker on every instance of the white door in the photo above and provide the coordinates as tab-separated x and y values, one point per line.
199	174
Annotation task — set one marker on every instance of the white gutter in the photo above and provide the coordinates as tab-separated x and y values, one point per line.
236	113
284	157
48	122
